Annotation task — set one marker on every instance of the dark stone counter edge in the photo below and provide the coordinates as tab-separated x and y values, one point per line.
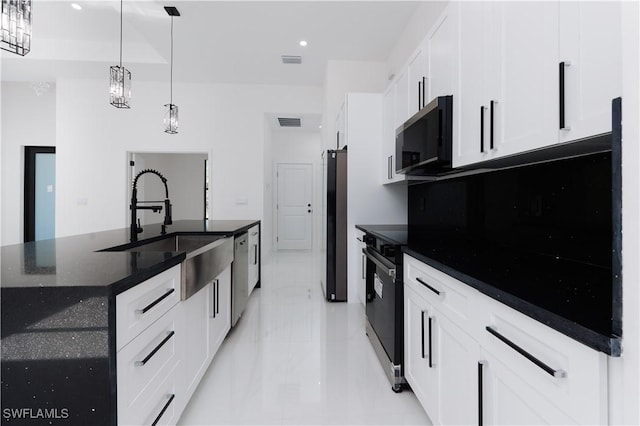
610	345
373	230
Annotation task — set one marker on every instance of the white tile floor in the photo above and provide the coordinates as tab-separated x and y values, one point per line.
295	359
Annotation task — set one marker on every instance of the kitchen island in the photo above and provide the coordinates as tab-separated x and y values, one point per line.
58	313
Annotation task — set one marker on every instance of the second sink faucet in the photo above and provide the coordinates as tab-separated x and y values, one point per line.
135	222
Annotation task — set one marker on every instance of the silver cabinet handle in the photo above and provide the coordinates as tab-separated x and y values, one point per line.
155	350
171	397
155	302
527	355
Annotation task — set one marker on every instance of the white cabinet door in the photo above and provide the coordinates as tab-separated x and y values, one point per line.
254	257
219	310
417	77
442	47
196	355
507	399
523	90
590	46
471	145
418	373
456	360
388	148
401	99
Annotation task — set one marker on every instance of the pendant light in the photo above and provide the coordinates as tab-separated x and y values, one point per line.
120	79
171	117
15	28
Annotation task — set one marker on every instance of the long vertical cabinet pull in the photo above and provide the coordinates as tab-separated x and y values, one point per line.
213	299
420	100
481	128
561	97
422	334
480	386
164	408
430	345
217	297
491	124
424	83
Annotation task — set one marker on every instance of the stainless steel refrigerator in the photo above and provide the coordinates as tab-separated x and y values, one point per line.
334	277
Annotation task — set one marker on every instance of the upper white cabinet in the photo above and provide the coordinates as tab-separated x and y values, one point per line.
508	79
417	80
442	48
591	54
401	99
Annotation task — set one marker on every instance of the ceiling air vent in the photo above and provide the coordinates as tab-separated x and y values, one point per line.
289	122
288	59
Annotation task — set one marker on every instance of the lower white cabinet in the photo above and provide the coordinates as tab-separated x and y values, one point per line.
160	367
254	256
467	370
150	388
219	311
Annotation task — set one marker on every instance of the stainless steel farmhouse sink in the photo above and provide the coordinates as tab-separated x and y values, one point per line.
207	257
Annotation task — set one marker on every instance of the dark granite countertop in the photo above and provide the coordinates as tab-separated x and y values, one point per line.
77	261
545	296
58	319
394	234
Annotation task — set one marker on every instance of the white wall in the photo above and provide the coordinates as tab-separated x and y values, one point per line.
27	119
227	121
342	77
300	147
185	179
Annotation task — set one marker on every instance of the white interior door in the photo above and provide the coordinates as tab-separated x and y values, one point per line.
294	209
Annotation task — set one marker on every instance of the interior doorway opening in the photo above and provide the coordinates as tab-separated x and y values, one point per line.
39	193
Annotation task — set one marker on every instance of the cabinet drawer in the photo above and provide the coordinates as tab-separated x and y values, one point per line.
162	405
445	293
140	306
536	352
144	362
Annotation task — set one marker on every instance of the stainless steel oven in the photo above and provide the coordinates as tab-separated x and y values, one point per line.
385	296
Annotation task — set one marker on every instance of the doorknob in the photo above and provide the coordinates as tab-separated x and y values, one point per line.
309	211
308	205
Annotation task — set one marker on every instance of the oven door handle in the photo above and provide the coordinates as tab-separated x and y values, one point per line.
381	262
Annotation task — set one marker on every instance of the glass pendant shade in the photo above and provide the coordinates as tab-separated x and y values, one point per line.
171	119
15	33
120	87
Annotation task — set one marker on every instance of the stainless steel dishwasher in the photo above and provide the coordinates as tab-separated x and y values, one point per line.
240	273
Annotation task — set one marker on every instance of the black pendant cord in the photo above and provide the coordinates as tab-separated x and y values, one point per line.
171	72
120	33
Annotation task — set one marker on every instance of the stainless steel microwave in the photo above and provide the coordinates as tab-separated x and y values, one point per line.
423	142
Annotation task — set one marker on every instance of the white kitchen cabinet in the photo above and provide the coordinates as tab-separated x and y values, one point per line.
150	335
341	128
388	147
418	95
362	277
467	358
442	52
196	354
508	79
401	100
254	256
421	377
507	399
590	47
219	310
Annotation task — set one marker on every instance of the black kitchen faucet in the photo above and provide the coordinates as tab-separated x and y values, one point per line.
136	228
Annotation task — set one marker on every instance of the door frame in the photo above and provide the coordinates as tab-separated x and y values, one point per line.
29	213
275	201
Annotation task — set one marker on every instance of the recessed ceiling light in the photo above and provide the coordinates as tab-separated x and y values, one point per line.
320	126
303	43
76	6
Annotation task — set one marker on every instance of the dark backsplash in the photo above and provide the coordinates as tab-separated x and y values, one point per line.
542	232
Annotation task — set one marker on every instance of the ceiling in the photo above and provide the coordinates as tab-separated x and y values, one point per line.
214	41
